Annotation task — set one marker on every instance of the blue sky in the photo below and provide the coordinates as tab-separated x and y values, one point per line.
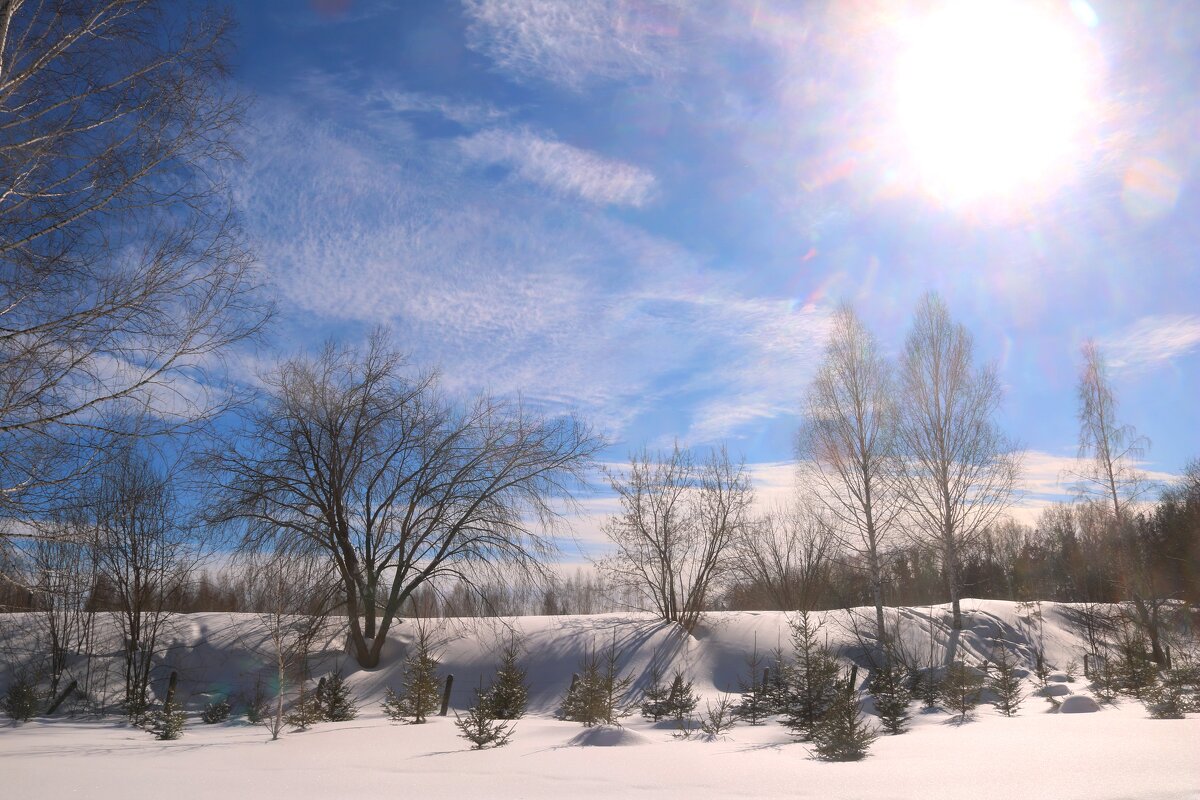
644	211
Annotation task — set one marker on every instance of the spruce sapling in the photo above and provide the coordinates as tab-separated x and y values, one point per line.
892	697
814	679
418	697
717	720
480	725
21	699
215	712
508	695
755	704
960	689
339	705
843	733
1004	683
167	723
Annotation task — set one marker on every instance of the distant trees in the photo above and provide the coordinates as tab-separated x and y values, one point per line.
122	269
849	439
677	528
783	557
397	486
957	471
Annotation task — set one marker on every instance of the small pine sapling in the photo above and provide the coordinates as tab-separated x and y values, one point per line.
597	697
339	705
508	696
307	710
21	699
960	689
779	681
215	712
481	726
1004	683
256	706
843	733
1173	695
927	685
654	704
682	700
1135	673
814	679
167	723
755	704
718	719
892	697
418	697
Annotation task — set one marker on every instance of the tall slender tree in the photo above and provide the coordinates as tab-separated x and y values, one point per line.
849	439
957	471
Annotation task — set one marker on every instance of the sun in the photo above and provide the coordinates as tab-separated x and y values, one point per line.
994	99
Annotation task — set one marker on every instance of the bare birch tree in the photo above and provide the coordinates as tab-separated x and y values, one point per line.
1110	451
396	486
849	439
677	529
122	271
957	471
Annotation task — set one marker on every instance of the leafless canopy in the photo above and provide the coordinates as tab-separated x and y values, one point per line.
786	555
395	485
849	439
958	472
1109	448
122	272
677	528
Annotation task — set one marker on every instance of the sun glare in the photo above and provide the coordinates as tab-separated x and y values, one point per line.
994	100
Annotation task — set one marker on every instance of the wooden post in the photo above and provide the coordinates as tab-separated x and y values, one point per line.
62	696
1087	673
766	677
446	696
853	680
574	682
171	688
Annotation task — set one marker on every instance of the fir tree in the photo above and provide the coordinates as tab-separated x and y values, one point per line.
843	733
481	726
307	711
21	699
338	704
418	696
779	681
814	679
927	685
960	689
755	703
892	697
718	719
508	695
682	700
1004	683
167	723
596	698
655	705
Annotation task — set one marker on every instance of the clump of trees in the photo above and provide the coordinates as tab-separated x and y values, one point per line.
598	695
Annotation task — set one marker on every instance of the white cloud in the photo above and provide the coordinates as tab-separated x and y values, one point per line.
574	44
462	112
562	168
1152	341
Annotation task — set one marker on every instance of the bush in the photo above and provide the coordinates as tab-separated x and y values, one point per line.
717	720
21	699
214	713
256	706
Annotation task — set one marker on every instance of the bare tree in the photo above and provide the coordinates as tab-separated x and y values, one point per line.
677	529
62	573
957	471
142	553
849	439
786	554
1110	449
122	271
395	485
294	592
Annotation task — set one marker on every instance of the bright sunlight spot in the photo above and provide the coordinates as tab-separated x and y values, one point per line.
995	99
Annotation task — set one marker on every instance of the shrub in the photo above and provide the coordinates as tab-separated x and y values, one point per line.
508	695
337	703
843	734
21	699
960	689
597	697
418	696
167	723
216	712
717	720
480	725
1005	684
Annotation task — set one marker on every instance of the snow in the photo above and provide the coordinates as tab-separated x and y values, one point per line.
1118	752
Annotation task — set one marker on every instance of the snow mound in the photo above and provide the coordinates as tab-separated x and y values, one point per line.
1054	690
1059	677
1078	704
607	736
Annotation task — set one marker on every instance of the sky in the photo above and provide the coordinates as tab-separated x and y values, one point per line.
644	212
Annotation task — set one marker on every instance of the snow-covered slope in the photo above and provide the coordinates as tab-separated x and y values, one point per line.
1118	752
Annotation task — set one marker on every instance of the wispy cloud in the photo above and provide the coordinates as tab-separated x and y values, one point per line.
577	43
561	168
462	112
1153	341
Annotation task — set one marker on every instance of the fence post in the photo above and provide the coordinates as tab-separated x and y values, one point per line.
446	696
